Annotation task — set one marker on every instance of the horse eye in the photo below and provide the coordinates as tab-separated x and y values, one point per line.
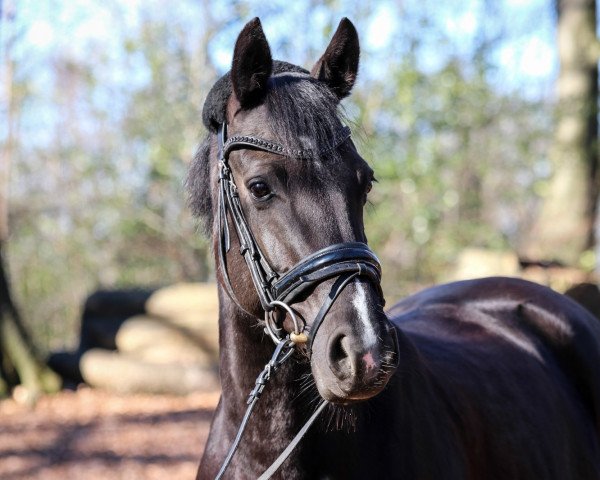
368	188
260	190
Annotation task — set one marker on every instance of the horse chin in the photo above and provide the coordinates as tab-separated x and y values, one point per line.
334	393
333	390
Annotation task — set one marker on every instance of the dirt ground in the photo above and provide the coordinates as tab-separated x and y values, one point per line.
90	434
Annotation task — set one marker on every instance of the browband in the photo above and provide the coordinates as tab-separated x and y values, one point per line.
247	141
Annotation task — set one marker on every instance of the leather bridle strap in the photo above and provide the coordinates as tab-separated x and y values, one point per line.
329	262
260	270
250	142
282	352
336	289
294	443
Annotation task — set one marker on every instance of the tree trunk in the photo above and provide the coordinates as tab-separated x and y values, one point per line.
564	228
17	352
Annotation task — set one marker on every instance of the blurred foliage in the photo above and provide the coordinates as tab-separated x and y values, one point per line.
107	130
455	162
98	200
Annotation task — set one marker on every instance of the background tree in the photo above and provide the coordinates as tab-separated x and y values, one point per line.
99	198
20	360
564	230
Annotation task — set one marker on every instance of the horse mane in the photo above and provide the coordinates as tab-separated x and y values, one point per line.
303	115
197	185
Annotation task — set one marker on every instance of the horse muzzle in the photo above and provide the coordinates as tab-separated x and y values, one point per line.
354	355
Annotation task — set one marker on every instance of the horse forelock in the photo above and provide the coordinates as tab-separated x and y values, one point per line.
215	105
302	113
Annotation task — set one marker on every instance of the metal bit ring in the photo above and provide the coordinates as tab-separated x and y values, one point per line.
290	311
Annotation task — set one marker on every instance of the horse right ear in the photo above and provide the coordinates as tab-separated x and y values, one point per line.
338	66
252	65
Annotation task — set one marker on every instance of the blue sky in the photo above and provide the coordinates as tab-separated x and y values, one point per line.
93	32
526	58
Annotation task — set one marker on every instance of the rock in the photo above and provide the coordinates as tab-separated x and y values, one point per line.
480	262
162	340
183	300
122	373
586	294
126	302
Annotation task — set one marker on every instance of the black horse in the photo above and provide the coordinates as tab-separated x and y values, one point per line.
488	379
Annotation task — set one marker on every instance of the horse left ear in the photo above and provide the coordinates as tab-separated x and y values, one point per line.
339	64
252	65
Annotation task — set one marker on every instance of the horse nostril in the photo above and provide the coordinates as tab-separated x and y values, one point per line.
338	352
339	356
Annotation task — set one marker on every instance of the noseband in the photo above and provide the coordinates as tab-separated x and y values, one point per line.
276	291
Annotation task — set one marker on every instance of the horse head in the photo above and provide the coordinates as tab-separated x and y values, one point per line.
279	161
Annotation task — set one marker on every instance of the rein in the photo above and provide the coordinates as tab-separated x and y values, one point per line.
276	291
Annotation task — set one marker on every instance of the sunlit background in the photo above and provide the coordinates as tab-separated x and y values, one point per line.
483	143
453	108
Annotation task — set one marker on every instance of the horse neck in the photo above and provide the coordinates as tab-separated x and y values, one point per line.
244	348
244	351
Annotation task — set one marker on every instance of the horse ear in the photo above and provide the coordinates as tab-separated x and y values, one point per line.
339	64
252	65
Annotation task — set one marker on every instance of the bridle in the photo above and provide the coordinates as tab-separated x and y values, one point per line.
277	291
